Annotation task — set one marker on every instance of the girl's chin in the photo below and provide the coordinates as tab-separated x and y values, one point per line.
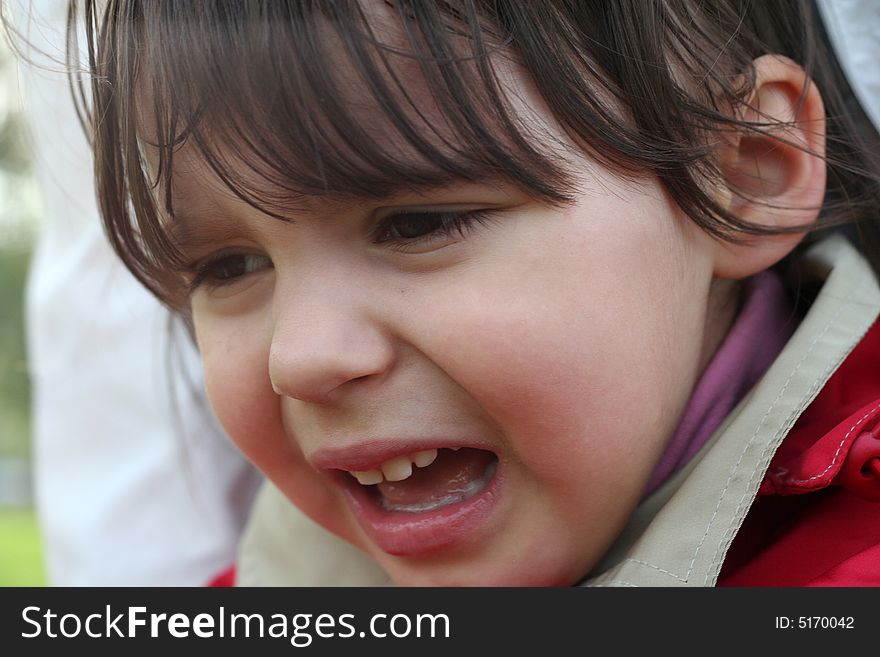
529	567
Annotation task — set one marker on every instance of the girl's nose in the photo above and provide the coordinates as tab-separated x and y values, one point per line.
316	350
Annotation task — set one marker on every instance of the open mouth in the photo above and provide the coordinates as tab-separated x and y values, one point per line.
420	502
430	479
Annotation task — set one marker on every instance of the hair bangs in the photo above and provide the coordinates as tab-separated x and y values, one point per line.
286	101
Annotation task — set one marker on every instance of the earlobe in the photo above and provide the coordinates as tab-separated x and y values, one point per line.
774	173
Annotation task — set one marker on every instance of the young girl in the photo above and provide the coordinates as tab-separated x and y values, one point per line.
513	293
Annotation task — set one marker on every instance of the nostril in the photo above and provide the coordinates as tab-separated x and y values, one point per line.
316	378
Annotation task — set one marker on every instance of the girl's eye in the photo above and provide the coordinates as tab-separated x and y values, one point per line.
418	227
228	268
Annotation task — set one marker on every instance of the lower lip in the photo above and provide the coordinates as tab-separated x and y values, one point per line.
402	533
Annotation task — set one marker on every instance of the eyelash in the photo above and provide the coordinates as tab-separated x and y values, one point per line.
451	223
205	271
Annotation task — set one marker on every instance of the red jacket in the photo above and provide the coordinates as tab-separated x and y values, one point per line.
816	519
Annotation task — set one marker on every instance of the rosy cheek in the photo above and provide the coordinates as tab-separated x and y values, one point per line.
238	386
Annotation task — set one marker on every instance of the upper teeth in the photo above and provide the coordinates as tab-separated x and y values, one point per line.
396	469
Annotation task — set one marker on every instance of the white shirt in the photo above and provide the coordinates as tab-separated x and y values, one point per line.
128	491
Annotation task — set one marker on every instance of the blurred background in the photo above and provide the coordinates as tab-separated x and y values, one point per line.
21	562
137	483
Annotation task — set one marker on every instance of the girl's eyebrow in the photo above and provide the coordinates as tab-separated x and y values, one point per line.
194	231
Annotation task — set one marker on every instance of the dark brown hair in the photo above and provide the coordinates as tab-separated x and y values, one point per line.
263	89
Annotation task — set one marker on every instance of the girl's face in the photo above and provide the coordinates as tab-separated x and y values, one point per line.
540	357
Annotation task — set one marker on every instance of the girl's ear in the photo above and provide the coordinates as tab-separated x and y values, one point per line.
775	176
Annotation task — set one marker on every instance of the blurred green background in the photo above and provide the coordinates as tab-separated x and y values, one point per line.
21	562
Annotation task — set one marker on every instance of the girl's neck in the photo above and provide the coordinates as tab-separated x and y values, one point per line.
764	322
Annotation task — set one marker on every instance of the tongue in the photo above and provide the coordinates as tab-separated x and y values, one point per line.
453	475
